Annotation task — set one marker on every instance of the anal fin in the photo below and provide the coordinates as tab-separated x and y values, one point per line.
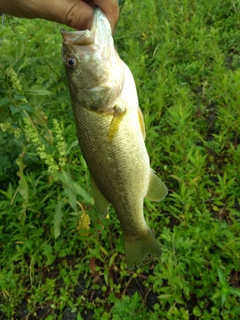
101	203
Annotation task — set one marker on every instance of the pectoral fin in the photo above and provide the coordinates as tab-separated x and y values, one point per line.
116	121
156	188
100	201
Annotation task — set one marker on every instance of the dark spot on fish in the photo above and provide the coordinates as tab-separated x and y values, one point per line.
94	108
117	110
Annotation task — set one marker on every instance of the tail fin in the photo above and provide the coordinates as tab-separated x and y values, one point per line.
136	249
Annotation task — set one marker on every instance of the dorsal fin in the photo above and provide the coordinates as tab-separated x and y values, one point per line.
156	188
141	122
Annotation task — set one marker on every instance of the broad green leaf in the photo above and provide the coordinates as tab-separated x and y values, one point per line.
79	190
18	97
14	109
58	218
65	178
22	185
234	291
224	298
26	107
40	92
72	145
4	31
4	101
221	277
71	197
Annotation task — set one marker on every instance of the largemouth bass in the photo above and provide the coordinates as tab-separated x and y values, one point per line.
111	133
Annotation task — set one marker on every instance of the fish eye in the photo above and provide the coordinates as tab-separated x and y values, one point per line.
70	62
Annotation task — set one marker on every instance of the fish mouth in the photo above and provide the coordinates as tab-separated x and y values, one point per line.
87	37
79	38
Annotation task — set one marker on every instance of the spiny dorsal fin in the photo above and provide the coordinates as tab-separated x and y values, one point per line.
141	122
156	188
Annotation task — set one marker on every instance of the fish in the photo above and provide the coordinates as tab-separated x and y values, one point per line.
111	134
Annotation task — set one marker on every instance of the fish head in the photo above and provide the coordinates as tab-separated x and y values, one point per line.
93	67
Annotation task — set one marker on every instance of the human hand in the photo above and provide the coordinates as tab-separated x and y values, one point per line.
73	13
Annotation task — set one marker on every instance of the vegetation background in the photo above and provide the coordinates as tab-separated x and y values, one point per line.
58	260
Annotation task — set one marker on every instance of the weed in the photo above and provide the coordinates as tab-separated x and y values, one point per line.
58	259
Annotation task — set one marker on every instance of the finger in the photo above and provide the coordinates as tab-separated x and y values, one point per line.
75	14
78	15
111	10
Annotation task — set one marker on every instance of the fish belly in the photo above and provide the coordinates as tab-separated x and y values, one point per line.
119	166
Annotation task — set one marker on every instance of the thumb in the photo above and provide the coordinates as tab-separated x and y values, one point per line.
75	14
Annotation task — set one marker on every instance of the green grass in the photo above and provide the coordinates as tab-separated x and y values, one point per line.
58	259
